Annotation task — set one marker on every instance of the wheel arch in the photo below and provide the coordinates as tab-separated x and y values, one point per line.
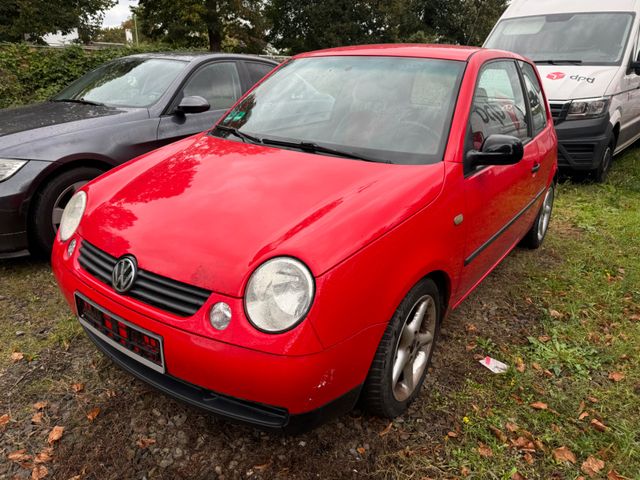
443	282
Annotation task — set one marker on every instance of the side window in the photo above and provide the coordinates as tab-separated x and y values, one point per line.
258	70
536	98
219	83
498	104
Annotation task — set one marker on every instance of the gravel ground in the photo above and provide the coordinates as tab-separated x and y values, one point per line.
115	427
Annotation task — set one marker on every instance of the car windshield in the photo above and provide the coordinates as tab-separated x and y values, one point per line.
579	38
386	109
126	82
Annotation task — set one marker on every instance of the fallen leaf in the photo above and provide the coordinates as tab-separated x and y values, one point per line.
592	466
555	428
555	314
583	415
613	475
512	427
145	442
500	435
524	444
361	450
536	366
39	472
40	405
598	425
544	338
386	430
528	458
77	387
263	467
517	476
520	366
470	327
4	419
539	406
616	376
93	413
45	456
592	399
19	456
563	454
37	417
485	450
471	346
452	435
465	472
17	356
55	434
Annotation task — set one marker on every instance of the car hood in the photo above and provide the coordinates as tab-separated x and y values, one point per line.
568	82
208	211
32	123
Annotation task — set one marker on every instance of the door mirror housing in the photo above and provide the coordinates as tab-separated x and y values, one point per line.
497	150
193	104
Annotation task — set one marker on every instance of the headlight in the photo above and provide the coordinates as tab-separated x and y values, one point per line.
72	215
279	294
8	167
588	108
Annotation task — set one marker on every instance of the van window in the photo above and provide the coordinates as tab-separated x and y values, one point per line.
498	104
582	38
535	97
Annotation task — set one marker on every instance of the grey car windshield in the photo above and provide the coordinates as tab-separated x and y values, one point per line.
585	38
387	109
126	82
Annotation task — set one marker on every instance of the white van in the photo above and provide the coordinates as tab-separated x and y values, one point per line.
587	52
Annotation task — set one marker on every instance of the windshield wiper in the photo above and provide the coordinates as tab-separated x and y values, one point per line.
559	62
79	100
239	134
310	147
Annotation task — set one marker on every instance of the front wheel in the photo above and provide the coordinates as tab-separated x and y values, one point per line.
534	237
404	354
601	173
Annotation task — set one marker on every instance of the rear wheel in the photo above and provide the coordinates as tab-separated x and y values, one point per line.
534	237
49	204
404	354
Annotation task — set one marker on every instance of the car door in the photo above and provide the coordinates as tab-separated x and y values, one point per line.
495	196
219	84
629	84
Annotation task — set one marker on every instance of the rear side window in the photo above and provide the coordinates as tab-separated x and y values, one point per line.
499	105
257	70
535	97
218	83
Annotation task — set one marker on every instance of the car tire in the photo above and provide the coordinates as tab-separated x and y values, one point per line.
387	393
536	235
601	173
50	201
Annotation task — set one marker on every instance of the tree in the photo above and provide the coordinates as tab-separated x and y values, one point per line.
32	19
313	24
111	35
237	25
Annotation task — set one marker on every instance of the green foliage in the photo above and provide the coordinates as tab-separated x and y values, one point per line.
36	18
30	75
234	25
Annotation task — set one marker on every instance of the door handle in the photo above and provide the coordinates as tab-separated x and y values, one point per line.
535	168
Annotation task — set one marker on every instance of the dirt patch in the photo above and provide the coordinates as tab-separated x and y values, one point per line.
140	433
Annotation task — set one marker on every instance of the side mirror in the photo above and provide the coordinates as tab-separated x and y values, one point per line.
635	67
194	104
497	150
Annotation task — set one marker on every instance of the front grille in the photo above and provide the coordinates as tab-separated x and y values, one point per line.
559	111
160	292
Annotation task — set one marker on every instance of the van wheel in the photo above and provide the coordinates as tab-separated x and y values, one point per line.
404	354
49	204
601	173
534	237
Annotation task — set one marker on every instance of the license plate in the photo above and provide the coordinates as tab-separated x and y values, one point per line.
136	342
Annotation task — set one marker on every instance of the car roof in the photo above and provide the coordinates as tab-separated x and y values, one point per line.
199	56
419	50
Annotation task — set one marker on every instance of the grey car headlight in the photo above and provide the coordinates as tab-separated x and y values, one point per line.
279	294
8	167
72	215
587	108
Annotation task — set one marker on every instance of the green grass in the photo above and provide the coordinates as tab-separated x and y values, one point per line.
588	299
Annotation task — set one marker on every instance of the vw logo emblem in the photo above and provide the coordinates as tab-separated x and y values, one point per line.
124	274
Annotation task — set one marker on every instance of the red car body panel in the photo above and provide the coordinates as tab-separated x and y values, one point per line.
368	232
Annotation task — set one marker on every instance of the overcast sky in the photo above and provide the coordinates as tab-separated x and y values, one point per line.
118	14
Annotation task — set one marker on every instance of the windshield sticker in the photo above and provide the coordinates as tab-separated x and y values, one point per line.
234	117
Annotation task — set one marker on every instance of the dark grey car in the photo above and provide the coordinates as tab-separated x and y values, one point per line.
122	109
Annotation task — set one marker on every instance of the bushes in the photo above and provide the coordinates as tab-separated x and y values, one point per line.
30	74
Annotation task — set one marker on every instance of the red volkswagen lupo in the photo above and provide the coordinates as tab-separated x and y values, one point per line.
302	254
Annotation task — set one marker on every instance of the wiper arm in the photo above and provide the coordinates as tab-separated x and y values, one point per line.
559	62
311	147
238	133
79	100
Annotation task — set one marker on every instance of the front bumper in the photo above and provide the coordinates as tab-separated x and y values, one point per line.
14	205
581	143
273	391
